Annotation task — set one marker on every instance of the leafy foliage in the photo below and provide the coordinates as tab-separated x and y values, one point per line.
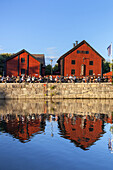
48	70
55	68
106	67
3	57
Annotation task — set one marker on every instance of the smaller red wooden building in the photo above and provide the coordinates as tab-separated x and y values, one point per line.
81	60
24	63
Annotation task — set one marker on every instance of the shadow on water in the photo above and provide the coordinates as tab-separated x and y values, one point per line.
80	121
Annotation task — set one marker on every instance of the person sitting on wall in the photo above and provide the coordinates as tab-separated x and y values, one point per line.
18	79
12	79
33	79
3	79
56	79
87	79
70	79
28	79
83	79
40	79
45	79
7	79
23	78
94	79
51	78
74	79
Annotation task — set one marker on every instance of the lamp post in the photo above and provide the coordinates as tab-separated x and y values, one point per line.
51	65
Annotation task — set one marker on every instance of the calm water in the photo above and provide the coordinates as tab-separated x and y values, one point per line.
70	134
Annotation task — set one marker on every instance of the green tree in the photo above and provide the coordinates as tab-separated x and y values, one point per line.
3	57
48	70
106	67
55	68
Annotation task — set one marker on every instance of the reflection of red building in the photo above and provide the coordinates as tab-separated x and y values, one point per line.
24	129
83	131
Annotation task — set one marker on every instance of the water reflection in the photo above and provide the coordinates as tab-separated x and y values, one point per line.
39	134
82	130
22	127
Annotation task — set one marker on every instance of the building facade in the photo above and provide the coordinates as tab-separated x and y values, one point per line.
81	60
24	63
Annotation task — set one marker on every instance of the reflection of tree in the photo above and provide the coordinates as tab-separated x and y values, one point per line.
83	131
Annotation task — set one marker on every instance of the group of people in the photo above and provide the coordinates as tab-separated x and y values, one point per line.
53	79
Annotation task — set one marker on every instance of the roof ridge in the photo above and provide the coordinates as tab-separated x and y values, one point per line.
77	46
21	51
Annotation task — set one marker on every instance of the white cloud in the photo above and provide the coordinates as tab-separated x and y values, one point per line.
51	51
51	57
1	49
51	48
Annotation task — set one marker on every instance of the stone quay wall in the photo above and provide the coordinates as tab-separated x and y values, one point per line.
56	91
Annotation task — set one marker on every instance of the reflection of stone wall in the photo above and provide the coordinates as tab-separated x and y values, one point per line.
21	107
85	106
56	90
71	106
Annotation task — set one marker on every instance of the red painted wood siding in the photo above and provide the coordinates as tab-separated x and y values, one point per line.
34	66
92	56
12	65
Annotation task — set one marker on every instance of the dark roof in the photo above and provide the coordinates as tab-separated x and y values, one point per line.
38	57
77	46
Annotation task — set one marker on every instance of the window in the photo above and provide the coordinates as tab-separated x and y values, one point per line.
73	62
83	52
90	62
78	51
22	60
90	129
90	72
22	71
72	71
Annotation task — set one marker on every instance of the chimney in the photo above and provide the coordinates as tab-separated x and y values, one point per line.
76	42
73	45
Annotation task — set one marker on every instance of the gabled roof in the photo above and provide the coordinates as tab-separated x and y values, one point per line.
38	57
77	46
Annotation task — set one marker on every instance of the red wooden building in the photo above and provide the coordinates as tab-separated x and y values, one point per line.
81	60
24	63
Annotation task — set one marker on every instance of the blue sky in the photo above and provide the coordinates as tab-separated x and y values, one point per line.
52	26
